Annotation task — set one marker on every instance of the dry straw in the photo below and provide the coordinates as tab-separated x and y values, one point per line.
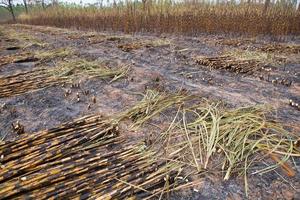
152	104
209	137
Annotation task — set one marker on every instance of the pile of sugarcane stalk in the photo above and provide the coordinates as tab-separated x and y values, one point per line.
281	48
231	64
82	159
87	158
41	56
15	58
27	81
65	72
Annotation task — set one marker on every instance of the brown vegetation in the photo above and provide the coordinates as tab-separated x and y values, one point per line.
171	17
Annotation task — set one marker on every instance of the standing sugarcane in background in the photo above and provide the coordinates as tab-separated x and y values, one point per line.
8	4
266	5
25	5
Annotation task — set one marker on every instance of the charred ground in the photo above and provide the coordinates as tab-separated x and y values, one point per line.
211	67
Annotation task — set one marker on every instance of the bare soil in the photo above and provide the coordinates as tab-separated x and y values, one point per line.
168	67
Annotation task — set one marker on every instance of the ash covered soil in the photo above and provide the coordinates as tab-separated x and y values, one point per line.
166	65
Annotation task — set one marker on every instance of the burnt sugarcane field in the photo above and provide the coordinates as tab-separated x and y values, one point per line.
150	100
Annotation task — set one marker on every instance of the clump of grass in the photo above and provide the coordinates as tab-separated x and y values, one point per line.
80	67
227	140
